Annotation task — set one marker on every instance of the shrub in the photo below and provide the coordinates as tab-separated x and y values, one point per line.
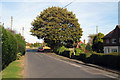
64	52
82	46
88	47
110	60
9	47
18	56
61	49
21	44
78	51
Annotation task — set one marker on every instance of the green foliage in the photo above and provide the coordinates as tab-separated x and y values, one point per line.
98	43
61	49
20	44
82	46
11	45
70	54
36	44
57	25
88	55
110	60
31	45
78	51
19	55
69	44
64	51
88	47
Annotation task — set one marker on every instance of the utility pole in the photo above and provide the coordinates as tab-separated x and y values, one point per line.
96	29
0	21
22	31
11	22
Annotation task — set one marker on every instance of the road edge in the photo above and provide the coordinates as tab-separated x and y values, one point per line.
87	64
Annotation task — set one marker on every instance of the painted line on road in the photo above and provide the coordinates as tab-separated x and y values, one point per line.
101	72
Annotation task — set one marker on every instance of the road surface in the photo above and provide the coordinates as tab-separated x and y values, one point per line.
42	65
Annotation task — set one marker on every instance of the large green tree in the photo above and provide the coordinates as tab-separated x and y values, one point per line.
56	26
98	43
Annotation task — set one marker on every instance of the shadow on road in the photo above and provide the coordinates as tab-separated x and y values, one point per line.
31	50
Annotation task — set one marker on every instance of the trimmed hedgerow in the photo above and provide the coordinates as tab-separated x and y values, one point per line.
9	47
21	44
111	60
12	44
64	52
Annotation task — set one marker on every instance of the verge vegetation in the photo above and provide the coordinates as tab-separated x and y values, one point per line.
13	46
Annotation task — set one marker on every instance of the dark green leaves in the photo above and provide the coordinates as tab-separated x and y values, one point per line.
57	25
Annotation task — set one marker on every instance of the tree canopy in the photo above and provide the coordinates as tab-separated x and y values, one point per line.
56	26
98	43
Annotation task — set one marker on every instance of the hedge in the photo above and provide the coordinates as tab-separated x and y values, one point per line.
21	44
111	60
9	47
64	52
12	44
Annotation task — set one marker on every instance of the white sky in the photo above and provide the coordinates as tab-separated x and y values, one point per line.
101	13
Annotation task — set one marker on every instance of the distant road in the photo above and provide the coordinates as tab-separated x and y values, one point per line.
41	65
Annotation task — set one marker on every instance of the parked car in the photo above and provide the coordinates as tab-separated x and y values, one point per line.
40	49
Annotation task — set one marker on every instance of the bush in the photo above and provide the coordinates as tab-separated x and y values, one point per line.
78	51
64	52
9	47
12	46
82	46
21	44
18	56
88	47
110	60
61	49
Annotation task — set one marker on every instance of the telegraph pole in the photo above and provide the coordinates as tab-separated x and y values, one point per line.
96	29
23	31
11	22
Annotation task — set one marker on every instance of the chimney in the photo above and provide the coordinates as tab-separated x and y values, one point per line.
84	41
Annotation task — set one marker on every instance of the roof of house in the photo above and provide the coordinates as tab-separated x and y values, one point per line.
110	33
118	26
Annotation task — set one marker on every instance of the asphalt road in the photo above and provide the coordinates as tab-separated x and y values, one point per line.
42	65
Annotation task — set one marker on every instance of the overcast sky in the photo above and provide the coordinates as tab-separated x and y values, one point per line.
90	14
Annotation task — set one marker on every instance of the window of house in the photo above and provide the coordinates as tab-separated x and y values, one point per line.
107	41
106	50
114	50
114	41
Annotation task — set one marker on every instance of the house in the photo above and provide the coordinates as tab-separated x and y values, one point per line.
112	41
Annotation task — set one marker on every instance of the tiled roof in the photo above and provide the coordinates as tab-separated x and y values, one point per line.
118	26
110	33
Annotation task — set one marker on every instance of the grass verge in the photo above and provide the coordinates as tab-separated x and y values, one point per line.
14	69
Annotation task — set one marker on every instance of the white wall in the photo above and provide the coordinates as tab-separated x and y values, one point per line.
108	49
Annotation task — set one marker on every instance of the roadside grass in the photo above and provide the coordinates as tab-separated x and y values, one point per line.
14	69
